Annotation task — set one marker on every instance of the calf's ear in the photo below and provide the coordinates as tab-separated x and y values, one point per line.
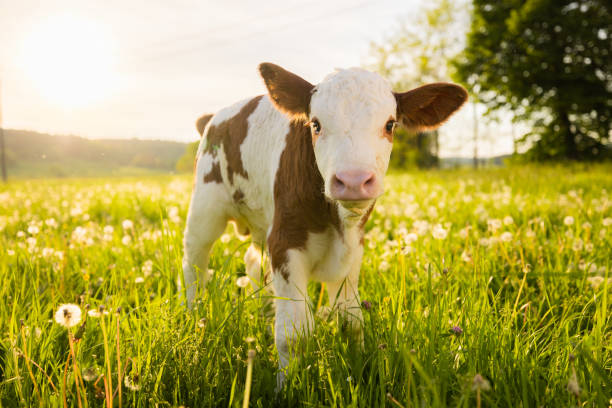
428	106
289	93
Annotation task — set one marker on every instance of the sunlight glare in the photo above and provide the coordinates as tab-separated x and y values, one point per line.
70	60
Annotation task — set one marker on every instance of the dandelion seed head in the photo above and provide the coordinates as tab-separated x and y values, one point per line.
480	383
242	281
68	315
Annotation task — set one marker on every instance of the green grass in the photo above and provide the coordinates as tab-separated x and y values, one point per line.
531	298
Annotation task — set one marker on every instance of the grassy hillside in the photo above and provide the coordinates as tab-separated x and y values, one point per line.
32	154
491	286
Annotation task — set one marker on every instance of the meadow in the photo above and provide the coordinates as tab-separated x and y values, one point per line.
479	288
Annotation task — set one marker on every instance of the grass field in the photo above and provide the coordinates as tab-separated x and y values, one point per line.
480	288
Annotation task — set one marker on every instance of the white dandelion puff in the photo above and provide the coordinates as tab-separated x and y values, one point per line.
68	315
438	232
242	281
569	220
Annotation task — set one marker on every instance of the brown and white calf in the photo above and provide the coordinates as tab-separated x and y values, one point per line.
300	169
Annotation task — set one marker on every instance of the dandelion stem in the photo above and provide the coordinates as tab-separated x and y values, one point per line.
478	402
64	380
109	390
249	378
25	355
46	375
75	368
107	393
118	363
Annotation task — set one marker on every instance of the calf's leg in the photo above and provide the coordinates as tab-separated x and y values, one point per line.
206	221
293	314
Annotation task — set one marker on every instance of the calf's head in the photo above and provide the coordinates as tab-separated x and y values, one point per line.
352	116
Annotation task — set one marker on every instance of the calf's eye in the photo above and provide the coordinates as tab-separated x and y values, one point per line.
315	126
389	126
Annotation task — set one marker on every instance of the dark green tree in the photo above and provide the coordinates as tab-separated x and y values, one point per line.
549	62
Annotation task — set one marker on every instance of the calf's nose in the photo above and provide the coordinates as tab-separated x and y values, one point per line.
352	185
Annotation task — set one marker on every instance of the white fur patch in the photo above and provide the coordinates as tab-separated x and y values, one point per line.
353	107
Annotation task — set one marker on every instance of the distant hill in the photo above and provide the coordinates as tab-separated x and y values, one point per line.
33	154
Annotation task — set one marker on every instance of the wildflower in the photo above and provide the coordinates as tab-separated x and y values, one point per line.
508	220
127	224
587	226
147	267
569	220
90	374
366	305
139	279
494	224
456	330
20	234
572	384
466	257
578	244
530	233
68	315
51	223
480	383
249	339
506	236
242	281
108	229
464	232
595	281
484	242
384	266
126	240
407	250
411	237
132	382
94	313
225	238
33	230
588	247
439	233
47	252
607	222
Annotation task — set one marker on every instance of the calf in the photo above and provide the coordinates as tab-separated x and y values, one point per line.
300	169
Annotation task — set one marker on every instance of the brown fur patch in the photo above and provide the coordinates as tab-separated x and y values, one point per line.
214	176
289	92
231	134
300	206
238	196
202	121
428	106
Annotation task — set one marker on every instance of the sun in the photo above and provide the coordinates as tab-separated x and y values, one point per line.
70	61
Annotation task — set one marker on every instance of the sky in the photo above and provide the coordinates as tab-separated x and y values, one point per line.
148	69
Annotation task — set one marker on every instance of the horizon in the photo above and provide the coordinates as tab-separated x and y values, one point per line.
149	71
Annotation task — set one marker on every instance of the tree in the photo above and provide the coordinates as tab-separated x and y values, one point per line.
416	53
548	61
186	161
